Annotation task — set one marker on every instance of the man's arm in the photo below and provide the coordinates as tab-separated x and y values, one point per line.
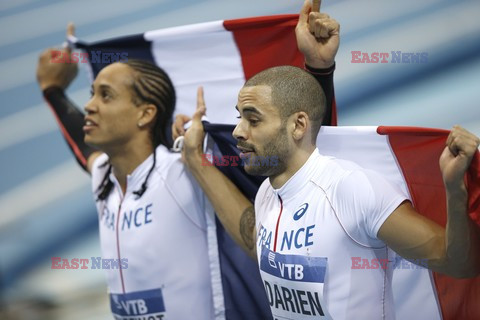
54	75
318	38
454	251
325	79
233	209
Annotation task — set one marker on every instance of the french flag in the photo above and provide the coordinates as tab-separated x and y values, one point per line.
220	56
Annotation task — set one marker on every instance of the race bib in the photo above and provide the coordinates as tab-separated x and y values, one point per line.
140	305
294	285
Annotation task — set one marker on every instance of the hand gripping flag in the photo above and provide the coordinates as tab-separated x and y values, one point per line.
407	157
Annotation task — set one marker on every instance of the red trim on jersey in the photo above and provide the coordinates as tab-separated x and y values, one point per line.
278	224
118	241
69	139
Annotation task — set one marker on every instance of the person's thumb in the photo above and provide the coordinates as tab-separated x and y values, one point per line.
70	33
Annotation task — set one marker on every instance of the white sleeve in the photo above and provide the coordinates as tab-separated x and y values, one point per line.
99	169
364	200
259	198
187	193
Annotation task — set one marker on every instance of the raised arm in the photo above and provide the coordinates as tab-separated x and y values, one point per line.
318	38
456	250
233	209
55	72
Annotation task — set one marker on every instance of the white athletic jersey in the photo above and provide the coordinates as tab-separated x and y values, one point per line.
313	236
162	236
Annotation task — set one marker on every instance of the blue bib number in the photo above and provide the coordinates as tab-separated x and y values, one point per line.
140	305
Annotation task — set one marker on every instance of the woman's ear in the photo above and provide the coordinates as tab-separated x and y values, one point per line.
147	113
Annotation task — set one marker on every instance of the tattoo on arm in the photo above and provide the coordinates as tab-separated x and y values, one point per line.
247	225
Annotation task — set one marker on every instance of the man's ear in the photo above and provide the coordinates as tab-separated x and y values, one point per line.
147	113
300	123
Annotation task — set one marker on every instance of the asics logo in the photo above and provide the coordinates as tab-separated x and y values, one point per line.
300	212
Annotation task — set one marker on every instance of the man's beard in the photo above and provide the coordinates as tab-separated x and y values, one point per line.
272	161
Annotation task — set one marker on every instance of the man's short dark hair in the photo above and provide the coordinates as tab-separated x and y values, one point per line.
293	90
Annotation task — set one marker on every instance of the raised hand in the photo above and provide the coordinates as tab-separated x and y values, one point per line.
193	141
459	151
55	68
318	36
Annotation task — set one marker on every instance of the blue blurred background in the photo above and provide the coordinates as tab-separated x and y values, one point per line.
46	208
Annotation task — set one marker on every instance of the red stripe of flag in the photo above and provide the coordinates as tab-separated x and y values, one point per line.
266	42
417	151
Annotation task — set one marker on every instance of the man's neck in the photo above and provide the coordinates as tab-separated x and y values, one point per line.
298	159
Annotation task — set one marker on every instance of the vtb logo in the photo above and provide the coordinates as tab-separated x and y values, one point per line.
300	212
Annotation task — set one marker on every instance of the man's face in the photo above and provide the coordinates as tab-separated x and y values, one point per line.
112	117
261	134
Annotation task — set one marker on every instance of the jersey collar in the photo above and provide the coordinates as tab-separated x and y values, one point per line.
137	177
300	178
